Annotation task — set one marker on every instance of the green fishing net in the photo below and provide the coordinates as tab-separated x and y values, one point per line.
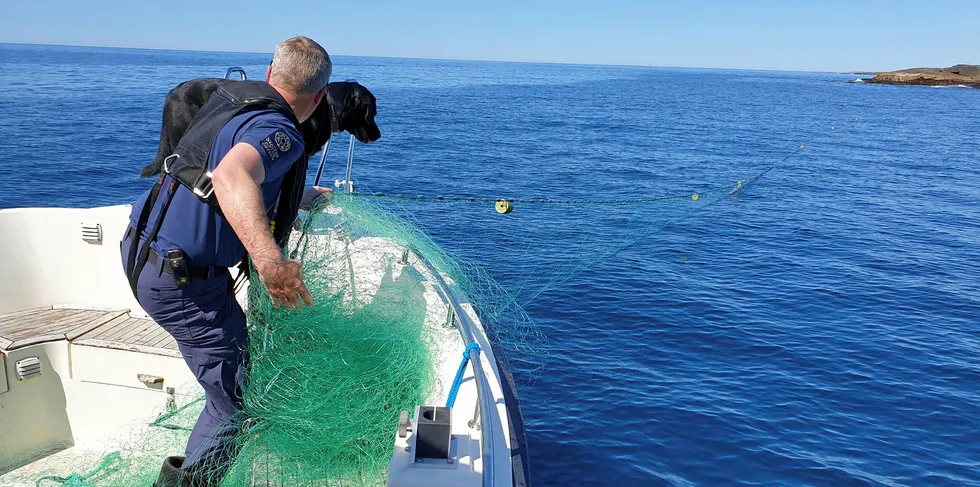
327	383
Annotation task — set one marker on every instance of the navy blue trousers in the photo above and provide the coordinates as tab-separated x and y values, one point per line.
209	327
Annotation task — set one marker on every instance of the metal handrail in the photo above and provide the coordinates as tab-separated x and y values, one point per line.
487	409
348	182
323	159
350	165
235	69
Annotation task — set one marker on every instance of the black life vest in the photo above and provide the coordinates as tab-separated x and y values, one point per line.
188	165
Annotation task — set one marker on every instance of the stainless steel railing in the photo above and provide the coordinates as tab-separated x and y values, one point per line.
233	70
348	182
488	411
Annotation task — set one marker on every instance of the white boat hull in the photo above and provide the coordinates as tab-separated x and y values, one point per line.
107	372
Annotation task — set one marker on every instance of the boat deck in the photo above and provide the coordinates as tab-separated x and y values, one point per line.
104	328
89	359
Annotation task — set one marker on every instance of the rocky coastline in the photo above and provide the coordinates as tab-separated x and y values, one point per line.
958	75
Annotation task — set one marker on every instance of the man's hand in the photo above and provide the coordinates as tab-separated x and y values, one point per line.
325	192
313	193
284	281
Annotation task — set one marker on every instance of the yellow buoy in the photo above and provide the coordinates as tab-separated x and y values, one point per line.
695	196
801	147
504	207
737	187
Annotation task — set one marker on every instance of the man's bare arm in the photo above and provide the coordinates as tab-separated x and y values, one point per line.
236	185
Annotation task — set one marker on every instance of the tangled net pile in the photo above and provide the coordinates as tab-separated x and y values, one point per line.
326	384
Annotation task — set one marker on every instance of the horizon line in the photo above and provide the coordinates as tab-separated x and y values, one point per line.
455	59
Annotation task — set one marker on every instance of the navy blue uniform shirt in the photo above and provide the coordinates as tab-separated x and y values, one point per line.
191	225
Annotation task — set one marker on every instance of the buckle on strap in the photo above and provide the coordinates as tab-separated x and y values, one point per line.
201	187
166	162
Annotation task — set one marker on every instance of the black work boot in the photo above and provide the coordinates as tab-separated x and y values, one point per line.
171	475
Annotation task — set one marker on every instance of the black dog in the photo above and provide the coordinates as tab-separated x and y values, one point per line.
349	107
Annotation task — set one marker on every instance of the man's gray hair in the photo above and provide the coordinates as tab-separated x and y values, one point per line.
300	65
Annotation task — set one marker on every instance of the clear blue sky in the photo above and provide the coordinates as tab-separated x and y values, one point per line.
830	35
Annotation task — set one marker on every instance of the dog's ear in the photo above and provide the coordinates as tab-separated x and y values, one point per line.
363	100
352	99
368	112
371	104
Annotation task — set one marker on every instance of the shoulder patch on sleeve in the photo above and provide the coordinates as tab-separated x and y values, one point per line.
282	141
270	147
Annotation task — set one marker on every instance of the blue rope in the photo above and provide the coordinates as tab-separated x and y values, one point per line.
459	374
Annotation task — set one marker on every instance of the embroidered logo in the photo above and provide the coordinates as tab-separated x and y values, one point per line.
282	141
270	148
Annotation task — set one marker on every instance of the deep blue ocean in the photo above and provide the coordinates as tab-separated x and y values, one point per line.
820	327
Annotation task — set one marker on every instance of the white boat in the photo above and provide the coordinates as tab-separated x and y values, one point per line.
84	368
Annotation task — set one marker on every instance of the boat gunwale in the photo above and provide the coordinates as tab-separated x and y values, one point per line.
489	416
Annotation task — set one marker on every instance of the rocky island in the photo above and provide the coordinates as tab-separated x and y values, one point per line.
961	74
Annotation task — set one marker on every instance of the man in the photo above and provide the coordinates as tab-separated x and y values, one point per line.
242	145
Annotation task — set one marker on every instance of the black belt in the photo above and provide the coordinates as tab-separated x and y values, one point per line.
152	258
192	272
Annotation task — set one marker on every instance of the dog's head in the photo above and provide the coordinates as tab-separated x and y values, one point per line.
355	108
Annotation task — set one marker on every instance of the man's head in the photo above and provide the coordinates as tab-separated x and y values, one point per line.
300	71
